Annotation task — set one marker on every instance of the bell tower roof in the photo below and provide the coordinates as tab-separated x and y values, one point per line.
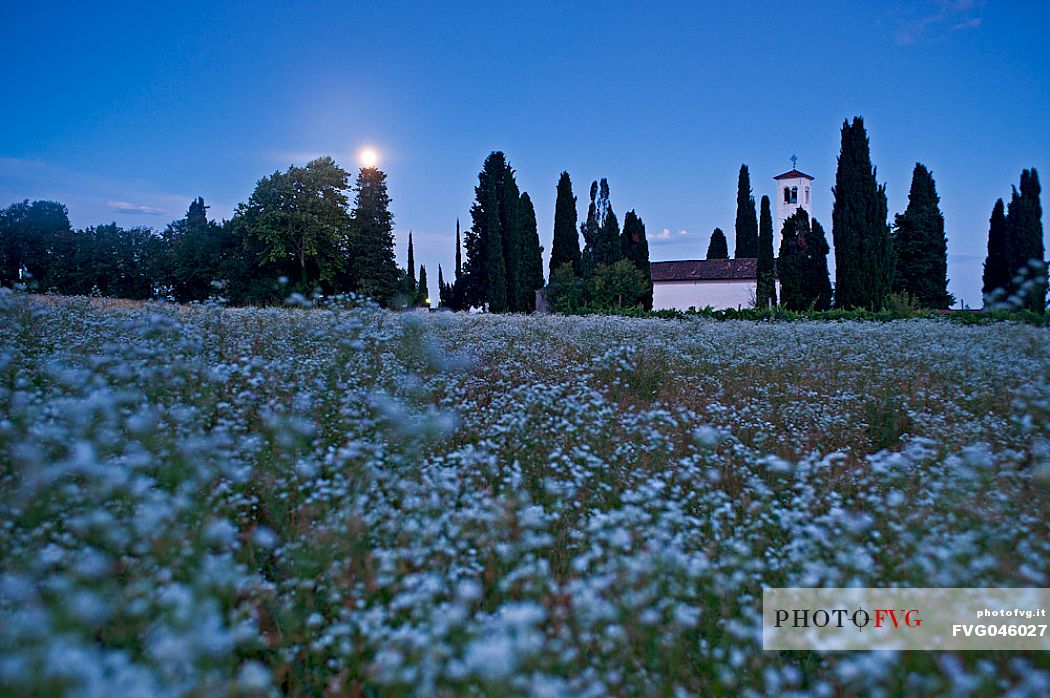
793	174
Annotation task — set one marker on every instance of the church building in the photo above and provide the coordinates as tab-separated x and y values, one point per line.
728	283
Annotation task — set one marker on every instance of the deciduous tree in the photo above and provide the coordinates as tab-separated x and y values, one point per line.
302	215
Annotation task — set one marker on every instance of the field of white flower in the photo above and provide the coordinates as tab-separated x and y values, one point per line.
198	501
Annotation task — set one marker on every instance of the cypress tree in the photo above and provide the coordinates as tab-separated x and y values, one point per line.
589	232
635	248
718	248
864	264
411	261
422	293
601	232
920	246
375	270
803	264
457	289
509	199
791	265
565	248
819	280
746	222
197	216
495	276
610	252
1024	243
997	263
533	253
444	292
496	288
475	241
607	251
766	289
409	288
459	256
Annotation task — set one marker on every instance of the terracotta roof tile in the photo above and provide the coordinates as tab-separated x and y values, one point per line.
741	269
792	174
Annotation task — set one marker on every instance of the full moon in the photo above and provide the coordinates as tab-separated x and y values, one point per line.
369	158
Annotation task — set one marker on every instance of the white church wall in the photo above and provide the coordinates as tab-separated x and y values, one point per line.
682	295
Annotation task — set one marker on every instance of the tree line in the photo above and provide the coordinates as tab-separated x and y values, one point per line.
1015	273
873	259
503	268
298	231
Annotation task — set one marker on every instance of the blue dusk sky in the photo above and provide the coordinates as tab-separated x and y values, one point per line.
124	112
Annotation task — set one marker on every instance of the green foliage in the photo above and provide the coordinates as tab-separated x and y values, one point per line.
444	290
635	249
619	285
532	255
803	264
601	231
509	198
496	287
566	245
903	303
197	249
301	215
920	245
566	293
457	289
746	222
411	267
32	235
864	260
40	252
423	291
887	422
1024	244
501	254
407	295
106	260
295	225
997	263
766	287
718	248
374	269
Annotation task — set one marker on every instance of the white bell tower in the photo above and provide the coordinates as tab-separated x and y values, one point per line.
793	191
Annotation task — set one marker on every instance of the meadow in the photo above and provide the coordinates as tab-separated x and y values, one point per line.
345	501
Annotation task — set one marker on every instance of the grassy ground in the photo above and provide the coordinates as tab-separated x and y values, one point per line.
198	501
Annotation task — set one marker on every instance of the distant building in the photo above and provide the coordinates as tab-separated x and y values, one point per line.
698	283
728	283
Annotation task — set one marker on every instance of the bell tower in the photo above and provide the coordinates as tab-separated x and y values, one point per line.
793	191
